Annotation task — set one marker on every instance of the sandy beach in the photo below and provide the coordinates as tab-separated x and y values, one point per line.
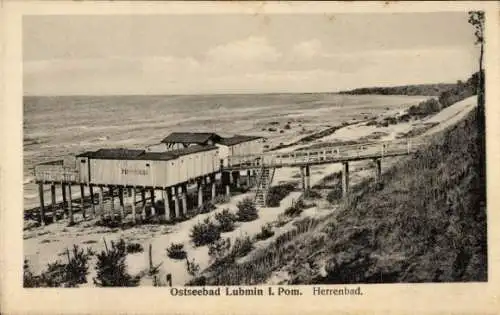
44	245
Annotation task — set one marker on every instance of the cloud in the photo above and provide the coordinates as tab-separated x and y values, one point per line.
252	49
250	64
309	49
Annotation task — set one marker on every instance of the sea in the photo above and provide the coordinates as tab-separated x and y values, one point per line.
58	126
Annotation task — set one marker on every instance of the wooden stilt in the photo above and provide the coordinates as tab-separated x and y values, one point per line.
345	179
302	179
143	210
213	183
122	204
65	202
378	170
70	206
153	202
200	193
101	201
53	201
134	219
42	204
308	178
183	190
82	196
112	195
166	202
91	190
176	202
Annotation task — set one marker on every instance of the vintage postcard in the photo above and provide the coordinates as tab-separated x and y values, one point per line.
232	157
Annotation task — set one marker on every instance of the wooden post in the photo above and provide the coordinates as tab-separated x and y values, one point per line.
345	179
236	179
134	219
249	178
70	206
378	170
122	204
143	194
82	195
91	190
200	193
184	199
53	200
308	178
143	212
112	194
302	179
65	203
213	183
42	204
152	192
101	201
176	202
166	202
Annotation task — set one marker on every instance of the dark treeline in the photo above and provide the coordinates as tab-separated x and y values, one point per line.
439	89
419	89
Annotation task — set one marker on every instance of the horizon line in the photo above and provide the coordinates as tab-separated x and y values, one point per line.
237	93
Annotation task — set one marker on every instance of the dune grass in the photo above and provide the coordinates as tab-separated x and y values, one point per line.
425	223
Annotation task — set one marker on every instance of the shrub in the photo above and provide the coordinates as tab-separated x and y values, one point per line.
59	274
206	207
192	267
272	129
266	231
277	193
226	220
282	220
312	194
219	249
282	131
287	126
334	195
296	209
242	246
111	267
176	251
110	222
204	233
246	210
221	199
134	248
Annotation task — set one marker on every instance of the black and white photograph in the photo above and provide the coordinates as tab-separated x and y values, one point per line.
227	157
248	150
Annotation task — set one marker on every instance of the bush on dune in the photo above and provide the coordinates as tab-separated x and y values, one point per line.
277	193
247	211
204	233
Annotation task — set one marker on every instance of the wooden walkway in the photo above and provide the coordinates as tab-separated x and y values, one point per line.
325	155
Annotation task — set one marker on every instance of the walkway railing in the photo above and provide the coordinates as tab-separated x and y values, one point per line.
327	154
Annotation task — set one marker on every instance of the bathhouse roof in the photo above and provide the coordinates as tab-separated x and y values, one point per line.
191	137
128	154
238	139
112	154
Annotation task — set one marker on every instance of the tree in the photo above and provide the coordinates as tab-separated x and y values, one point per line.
476	19
111	267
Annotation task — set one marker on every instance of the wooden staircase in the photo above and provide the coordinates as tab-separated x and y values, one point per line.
266	176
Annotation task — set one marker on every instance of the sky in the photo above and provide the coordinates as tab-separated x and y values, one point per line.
207	54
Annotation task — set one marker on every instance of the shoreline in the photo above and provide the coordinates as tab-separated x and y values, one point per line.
42	244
